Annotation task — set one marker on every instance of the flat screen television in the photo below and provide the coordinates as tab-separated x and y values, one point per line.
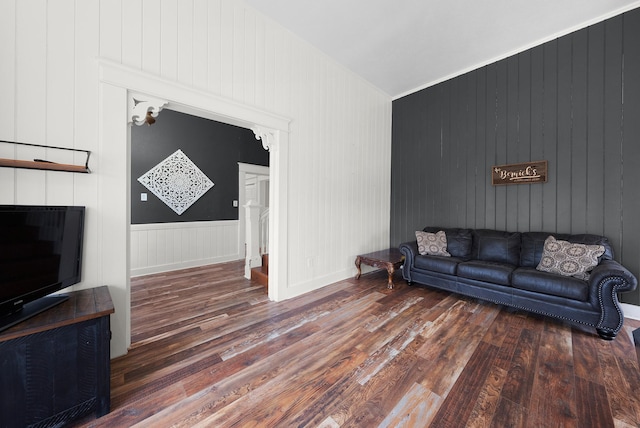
40	253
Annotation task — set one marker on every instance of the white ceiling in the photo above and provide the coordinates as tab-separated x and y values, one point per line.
401	46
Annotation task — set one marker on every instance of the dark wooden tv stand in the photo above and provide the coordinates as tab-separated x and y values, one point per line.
55	367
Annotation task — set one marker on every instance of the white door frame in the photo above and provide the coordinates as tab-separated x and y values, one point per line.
117	86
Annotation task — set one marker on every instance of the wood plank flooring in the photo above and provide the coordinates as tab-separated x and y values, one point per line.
210	350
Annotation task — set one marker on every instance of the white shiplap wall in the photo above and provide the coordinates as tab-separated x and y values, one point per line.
339	144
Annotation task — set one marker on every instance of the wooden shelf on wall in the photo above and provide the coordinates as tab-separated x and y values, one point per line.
45	165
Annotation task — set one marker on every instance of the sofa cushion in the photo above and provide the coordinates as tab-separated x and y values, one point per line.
532	245
498	273
458	240
496	246
531	279
440	264
432	244
569	259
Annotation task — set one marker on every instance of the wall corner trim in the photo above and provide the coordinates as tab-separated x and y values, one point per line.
630	311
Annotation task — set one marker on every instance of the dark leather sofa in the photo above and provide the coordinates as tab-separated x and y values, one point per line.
500	267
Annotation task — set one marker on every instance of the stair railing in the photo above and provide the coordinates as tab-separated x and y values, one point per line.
252	246
264	231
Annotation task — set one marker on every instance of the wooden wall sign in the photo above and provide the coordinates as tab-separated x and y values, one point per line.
519	173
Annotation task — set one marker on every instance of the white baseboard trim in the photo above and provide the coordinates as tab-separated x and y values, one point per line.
149	270
630	311
300	288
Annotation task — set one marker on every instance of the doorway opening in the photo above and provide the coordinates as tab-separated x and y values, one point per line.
119	88
212	223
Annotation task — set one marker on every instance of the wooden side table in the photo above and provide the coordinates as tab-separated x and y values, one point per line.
390	259
56	365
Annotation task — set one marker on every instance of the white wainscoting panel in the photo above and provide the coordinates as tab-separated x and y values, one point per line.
161	247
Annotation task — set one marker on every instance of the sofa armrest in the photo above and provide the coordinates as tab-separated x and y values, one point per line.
409	250
605	282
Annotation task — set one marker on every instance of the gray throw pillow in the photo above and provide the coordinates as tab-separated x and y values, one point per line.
569	259
432	244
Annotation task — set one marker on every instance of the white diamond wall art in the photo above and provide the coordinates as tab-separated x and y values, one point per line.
177	182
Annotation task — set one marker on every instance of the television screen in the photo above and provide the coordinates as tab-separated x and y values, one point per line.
40	253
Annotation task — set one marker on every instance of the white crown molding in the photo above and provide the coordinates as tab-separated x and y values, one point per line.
140	105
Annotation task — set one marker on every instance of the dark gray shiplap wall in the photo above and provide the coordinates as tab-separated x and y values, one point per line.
574	101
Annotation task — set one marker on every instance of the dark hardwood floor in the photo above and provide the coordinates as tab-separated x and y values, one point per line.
210	350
